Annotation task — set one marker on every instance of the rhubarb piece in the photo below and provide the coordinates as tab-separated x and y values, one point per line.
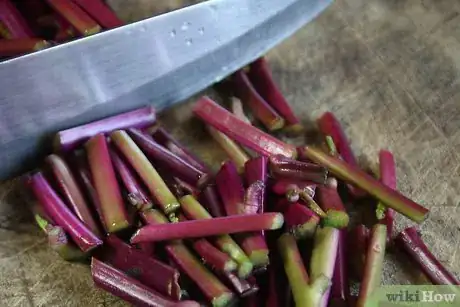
292	189
4	33
13	21
230	187
340	289
151	272
59	241
261	78
213	257
350	174
256	171
358	243
329	200
278	292
19	46
161	156
305	293
412	244
161	136
209	227
259	107
238	111
241	132
102	13
332	149
388	178
193	210
146	248
58	211
136	194
311	203
374	264
67	140
282	167
211	200
233	150
241	286
254	245
324	255
254	198
114	215
129	289
301	222
157	187
84	24
71	192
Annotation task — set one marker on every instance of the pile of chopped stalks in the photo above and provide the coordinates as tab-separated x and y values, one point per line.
161	229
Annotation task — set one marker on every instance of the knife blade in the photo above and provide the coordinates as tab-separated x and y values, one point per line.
159	61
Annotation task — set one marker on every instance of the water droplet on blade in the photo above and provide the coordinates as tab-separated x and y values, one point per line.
173	33
189	42
201	31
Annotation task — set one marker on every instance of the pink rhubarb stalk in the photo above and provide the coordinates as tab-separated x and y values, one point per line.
149	175
256	177
300	221
329	200
136	194
292	189
412	244
58	211
114	215
165	139
340	289
352	175
129	289
67	140
306	292
100	12
151	272
283	167
210	199
241	132
13	21
358	243
259	107
374	264
261	78
20	46
388	178
213	257
242	286
168	160
71	191
254	198
230	187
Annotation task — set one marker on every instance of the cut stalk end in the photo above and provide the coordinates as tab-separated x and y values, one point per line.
336	219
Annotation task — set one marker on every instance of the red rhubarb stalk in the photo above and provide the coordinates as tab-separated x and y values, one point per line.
100	12
254	198
13	21
230	187
19	46
58	211
279	291
84	24
165	139
256	171
259	107
300	221
238	111
210	199
71	191
157	187
262	80
412	244
242	286
283	167
350	174
388	178
67	140
329	200
129	289
151	272
136	194
168	160
340	289
213	257
241	132
374	264
114	215
292	189
358	243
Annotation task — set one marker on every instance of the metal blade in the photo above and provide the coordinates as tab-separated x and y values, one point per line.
158	61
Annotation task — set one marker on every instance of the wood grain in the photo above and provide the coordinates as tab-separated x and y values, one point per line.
387	68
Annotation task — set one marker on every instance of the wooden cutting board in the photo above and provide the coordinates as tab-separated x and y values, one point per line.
387	68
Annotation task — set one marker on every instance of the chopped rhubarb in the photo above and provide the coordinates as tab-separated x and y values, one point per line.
210	199
358	243
129	289
355	176
261	78
114	215
388	178
149	175
20	46
254	198
329	200
67	140
241	132
58	211
292	189
311	203
259	107
230	187
300	221
71	191
340	289
255	169
100	12
213	257
283	167
412	244
238	111
242	286
13	21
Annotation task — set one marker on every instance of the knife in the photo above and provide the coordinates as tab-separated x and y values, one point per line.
159	61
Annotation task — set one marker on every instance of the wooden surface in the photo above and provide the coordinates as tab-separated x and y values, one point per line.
387	68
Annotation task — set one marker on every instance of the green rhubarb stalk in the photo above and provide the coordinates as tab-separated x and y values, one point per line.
194	210
157	187
305	293
374	264
311	203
